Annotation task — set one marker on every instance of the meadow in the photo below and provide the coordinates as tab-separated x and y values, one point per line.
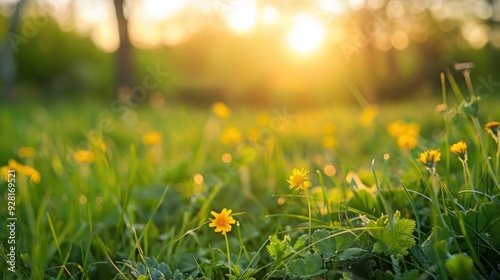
405	190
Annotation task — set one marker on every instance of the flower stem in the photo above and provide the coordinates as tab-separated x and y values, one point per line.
468	178
228	255
497	162
241	241
309	210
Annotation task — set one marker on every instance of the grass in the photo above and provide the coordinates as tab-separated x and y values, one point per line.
132	210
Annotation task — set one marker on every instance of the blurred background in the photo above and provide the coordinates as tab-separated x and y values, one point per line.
256	52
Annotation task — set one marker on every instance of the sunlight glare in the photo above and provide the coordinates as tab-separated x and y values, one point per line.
244	16
334	6
306	33
160	9
269	15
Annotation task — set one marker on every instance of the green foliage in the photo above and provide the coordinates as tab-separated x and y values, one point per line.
83	219
330	243
280	249
394	237
460	267
437	245
309	266
482	225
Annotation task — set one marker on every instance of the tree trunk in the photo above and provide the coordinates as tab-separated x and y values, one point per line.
8	68
124	75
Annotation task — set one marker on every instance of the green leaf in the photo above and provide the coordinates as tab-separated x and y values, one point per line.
279	249
323	243
350	253
392	238
460	267
310	266
301	242
437	245
411	275
157	275
330	243
482	225
178	275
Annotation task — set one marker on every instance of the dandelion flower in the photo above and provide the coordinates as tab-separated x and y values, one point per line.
429	159
31	172
298	179
493	128
83	156
231	135
399	127
26	152
407	141
221	110
460	149
152	138
222	221
368	115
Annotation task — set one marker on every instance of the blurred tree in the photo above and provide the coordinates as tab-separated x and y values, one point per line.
124	69
8	69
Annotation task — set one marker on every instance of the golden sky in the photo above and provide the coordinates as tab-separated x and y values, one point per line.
156	22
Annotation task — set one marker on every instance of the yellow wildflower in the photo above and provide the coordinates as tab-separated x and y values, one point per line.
83	156
222	221
26	152
221	110
429	159
407	141
298	179
231	135
460	149
493	128
399	127
31	172
152	138
368	115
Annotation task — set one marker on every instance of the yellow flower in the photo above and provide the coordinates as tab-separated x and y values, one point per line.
460	149
493	128
429	159
368	115
222	221
399	127
231	135
26	152
221	110
298	179
31	172
396	128
152	138
407	141
83	156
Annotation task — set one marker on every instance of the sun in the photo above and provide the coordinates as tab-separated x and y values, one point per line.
306	34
